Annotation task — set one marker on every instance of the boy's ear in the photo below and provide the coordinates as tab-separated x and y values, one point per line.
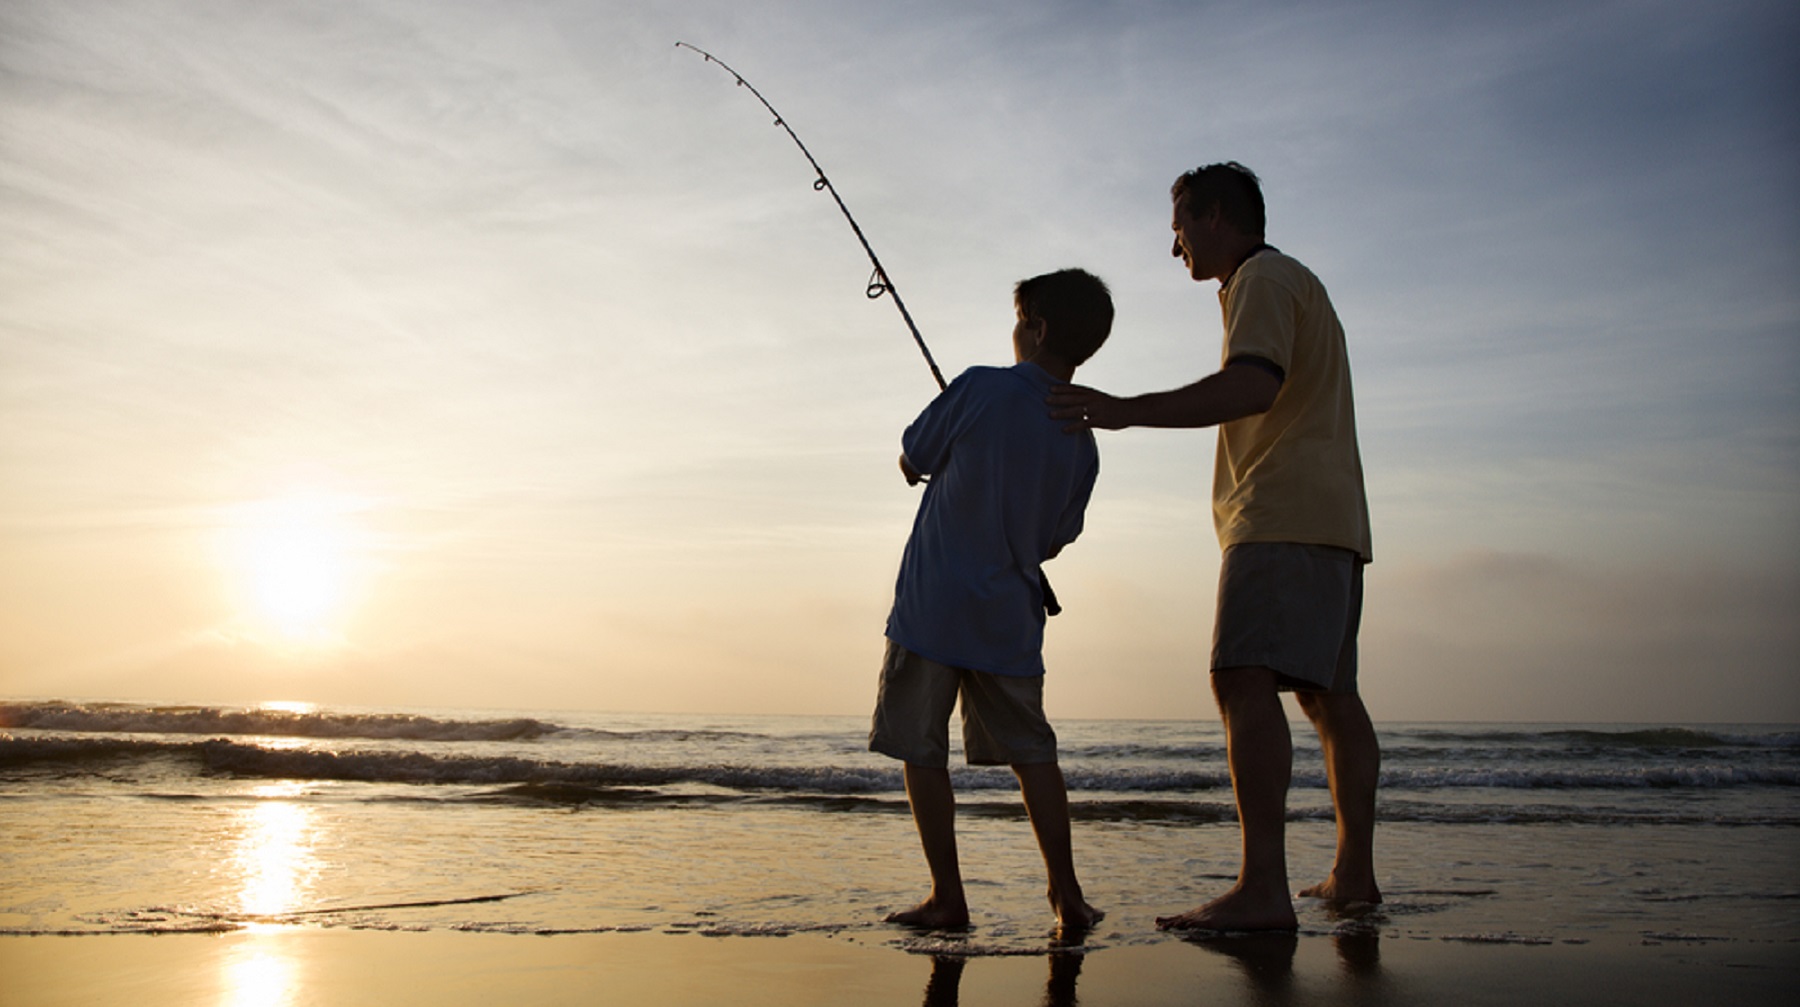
1039	330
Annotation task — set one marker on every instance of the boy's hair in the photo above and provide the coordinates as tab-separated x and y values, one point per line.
1233	188
1075	307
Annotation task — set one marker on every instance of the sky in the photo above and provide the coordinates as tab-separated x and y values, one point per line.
500	354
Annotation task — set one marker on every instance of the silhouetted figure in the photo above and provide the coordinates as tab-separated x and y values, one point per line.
1290	512
1007	490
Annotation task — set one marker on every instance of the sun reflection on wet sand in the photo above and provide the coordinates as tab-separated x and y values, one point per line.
274	855
258	978
276	866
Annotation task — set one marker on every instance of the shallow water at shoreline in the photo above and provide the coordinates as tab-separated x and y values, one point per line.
766	826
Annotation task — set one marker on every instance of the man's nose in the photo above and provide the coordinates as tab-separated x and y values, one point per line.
1175	249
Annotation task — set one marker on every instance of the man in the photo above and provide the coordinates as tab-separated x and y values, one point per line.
1290	512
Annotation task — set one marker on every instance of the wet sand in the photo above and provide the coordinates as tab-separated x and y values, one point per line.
291	966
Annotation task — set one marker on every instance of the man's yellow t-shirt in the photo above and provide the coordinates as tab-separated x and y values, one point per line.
1292	474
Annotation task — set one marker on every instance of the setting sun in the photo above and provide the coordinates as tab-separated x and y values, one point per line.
294	562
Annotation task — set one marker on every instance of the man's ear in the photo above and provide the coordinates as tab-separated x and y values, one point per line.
1039	331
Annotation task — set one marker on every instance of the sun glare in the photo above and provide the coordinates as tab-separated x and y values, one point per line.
254	977
295	561
274	855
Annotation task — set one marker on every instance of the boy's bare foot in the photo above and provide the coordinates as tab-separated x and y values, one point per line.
1332	890
931	915
1235	910
1076	914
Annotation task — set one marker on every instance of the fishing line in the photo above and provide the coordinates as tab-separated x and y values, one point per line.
879	282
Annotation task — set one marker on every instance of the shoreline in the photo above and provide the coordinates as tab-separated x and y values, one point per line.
292	965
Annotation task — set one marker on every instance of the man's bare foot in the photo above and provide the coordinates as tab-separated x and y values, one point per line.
931	915
1331	890
1236	910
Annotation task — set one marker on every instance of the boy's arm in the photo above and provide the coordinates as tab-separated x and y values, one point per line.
925	444
1069	528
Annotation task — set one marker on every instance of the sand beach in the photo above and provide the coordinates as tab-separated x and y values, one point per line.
292	966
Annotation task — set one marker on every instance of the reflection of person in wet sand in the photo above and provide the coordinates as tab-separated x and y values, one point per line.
1289	508
1007	491
1266	963
944	988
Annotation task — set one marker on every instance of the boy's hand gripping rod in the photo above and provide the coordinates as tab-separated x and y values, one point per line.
879	283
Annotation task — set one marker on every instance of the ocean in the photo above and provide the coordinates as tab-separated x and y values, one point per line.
136	818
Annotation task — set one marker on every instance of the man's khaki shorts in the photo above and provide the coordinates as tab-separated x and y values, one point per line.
1002	715
1294	609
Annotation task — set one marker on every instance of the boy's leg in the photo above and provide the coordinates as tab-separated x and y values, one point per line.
1004	723
1047	802
912	724
933	803
1261	754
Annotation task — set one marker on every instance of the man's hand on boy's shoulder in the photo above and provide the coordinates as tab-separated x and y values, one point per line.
913	476
1085	408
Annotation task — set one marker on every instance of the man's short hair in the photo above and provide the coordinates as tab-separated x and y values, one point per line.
1230	186
1075	307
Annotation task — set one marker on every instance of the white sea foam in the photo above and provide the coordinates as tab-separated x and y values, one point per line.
116	718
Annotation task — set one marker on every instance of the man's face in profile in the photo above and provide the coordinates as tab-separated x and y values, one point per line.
1196	240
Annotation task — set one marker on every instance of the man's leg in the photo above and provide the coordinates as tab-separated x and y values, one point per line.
1047	802
933	803
1353	768
1261	754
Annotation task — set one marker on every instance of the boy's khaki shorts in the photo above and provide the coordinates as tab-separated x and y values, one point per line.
1003	715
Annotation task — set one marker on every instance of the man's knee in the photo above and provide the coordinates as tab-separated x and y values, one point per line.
1233	687
1312	704
1334	713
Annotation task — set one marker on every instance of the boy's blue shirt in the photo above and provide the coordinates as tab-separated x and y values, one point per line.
1008	488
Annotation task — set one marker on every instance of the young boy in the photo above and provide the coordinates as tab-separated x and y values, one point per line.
1007	490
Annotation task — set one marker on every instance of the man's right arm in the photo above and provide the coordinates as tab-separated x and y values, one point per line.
1237	391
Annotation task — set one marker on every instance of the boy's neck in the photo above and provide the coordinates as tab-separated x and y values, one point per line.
1054	366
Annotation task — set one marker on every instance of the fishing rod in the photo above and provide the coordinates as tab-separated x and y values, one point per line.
879	283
